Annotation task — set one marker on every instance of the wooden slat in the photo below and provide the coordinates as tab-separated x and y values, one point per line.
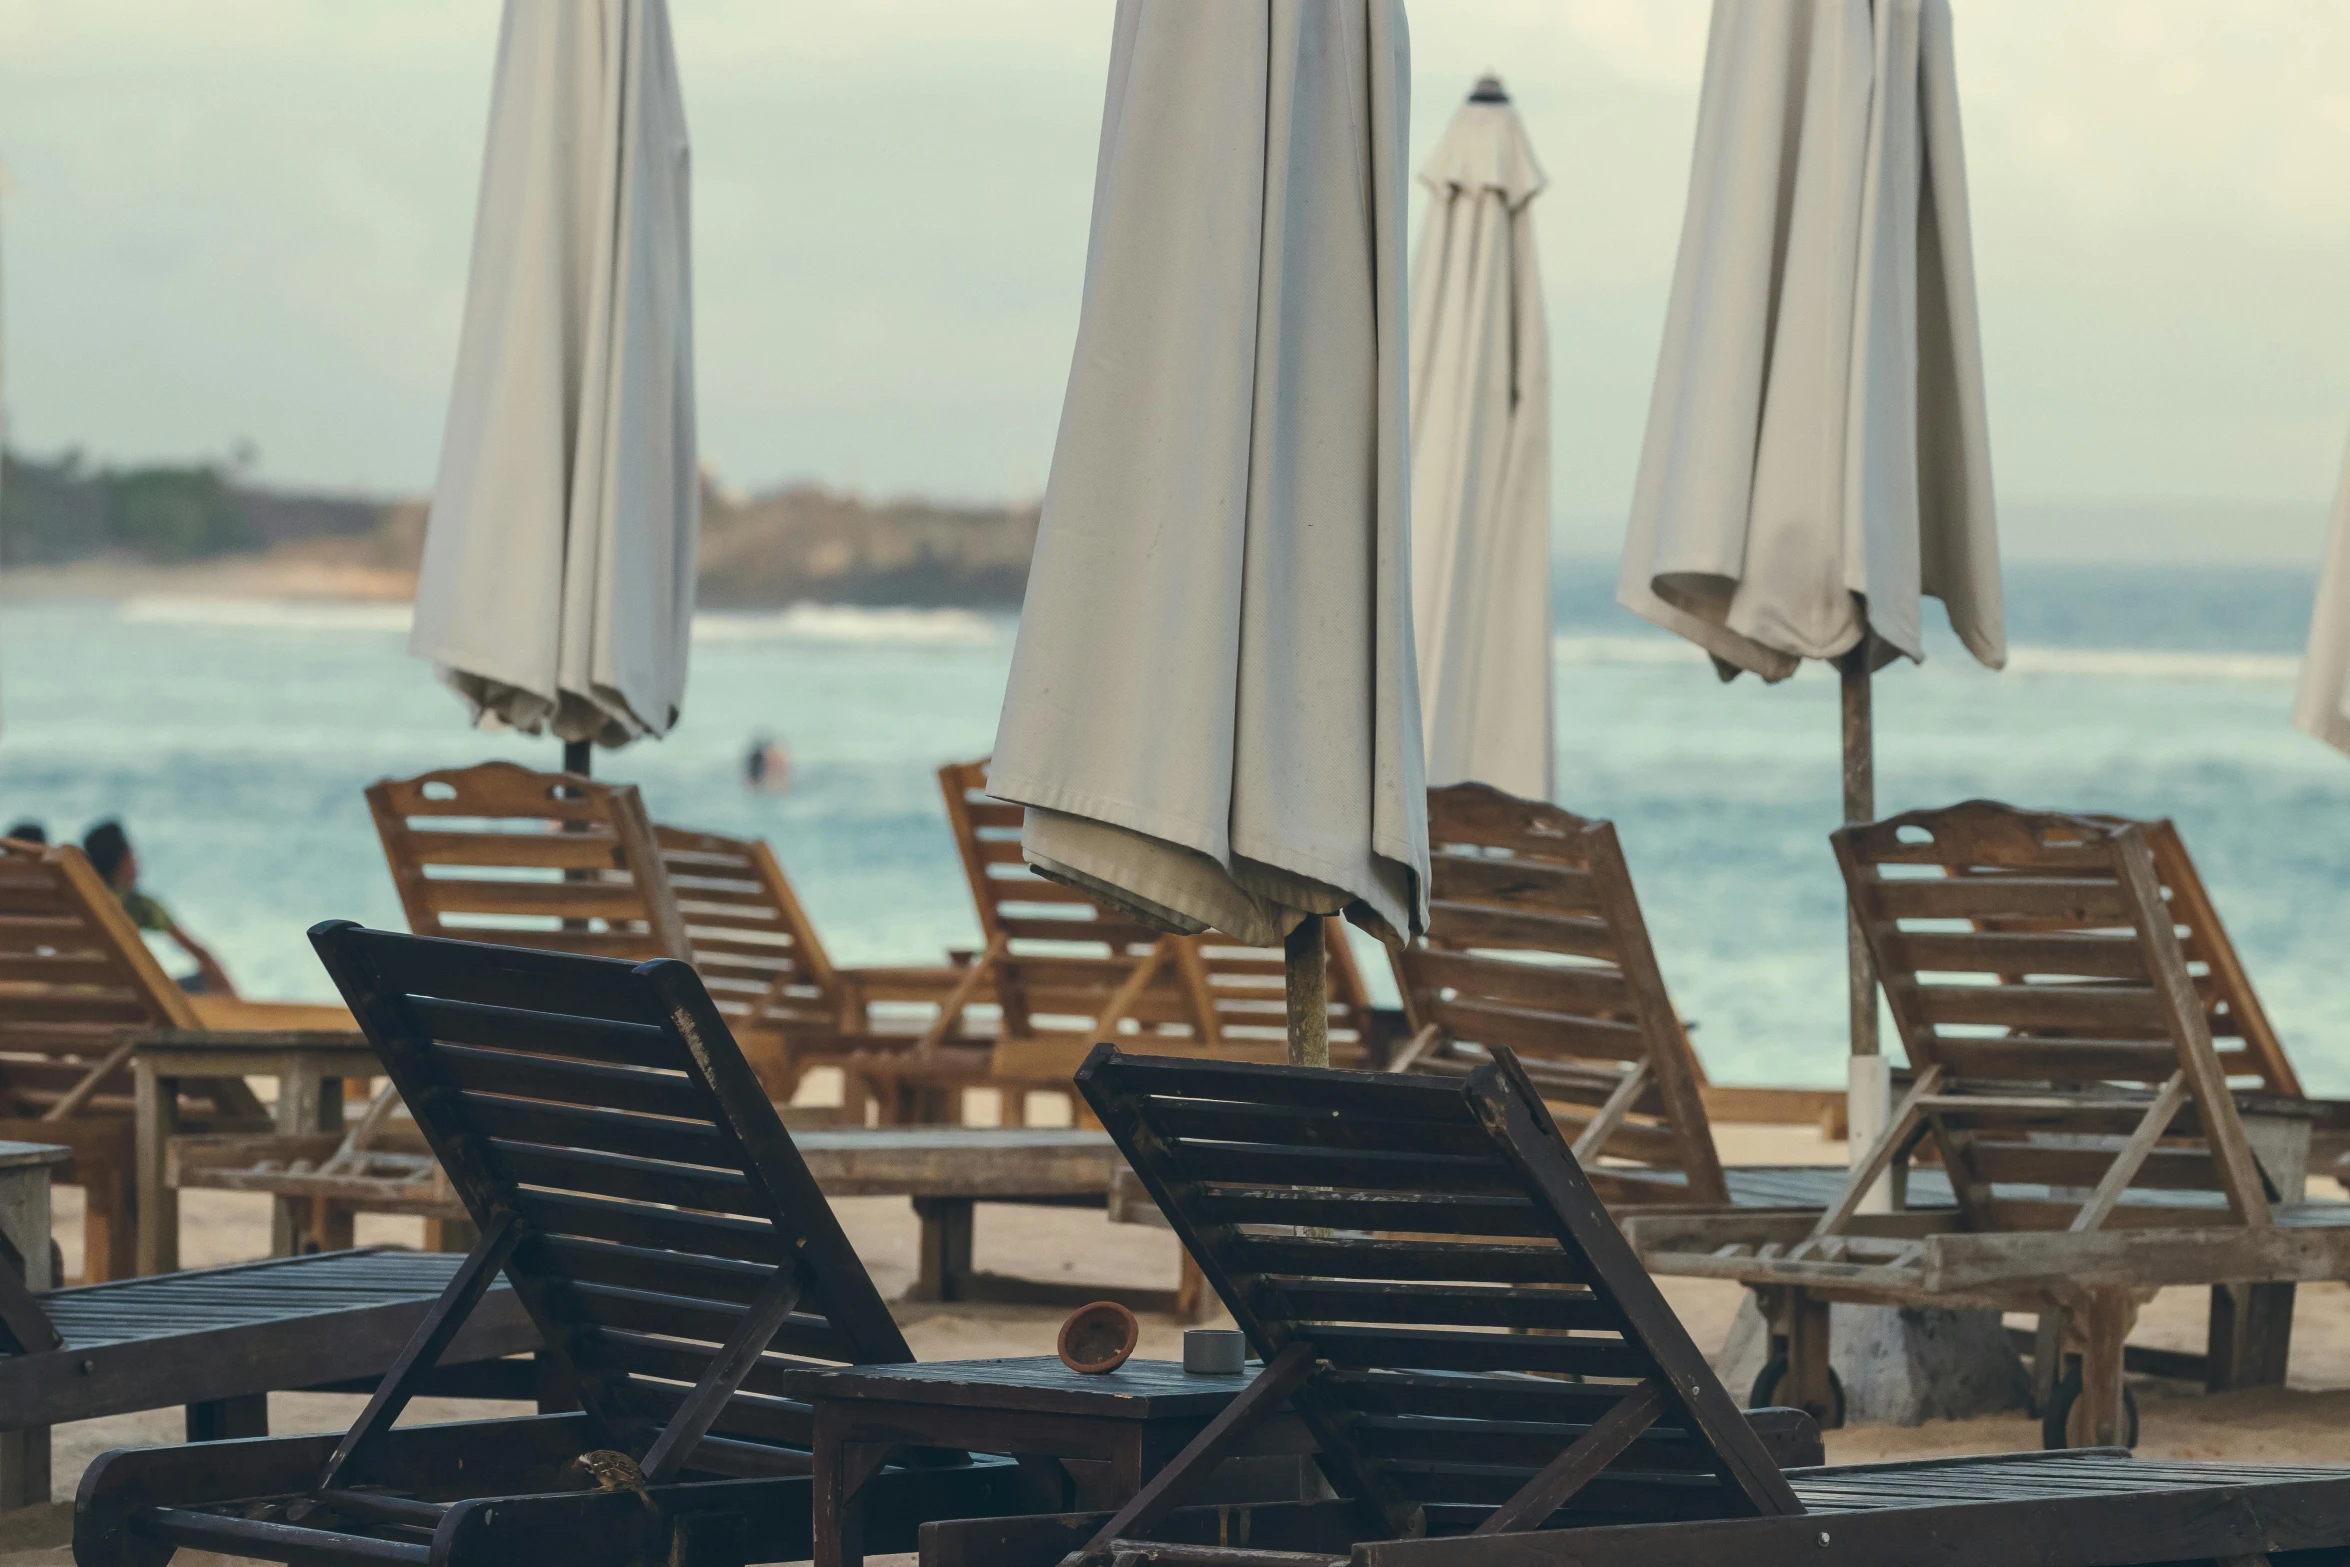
2075	899
1579	990
1448	1305
1538	1033
2104	1011
2028	1057
1511	883
595	849
2019	953
1468	926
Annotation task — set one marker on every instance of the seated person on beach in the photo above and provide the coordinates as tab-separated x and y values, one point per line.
109	849
27	831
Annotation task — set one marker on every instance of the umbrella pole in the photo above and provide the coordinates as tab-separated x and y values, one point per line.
1869	1080
578	757
1305	969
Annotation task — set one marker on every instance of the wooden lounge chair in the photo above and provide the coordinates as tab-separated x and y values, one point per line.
637	1188
792	1007
1535	941
220	1340
2066	1077
1438	1293
1067	970
76	984
498	853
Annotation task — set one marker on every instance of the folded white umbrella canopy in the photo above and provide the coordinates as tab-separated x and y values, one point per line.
2322	706
558	582
1213	712
1817	456
1480	355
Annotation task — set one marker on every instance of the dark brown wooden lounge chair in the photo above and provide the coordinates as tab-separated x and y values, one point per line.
638	1190
1438	1293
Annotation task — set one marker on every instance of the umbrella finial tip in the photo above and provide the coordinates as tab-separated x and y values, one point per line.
1489	89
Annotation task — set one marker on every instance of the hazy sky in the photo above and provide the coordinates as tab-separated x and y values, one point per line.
249	220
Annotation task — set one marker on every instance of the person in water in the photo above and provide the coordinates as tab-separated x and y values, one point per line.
767	766
27	831
110	855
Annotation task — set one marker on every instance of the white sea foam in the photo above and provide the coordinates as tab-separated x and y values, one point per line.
799	623
2153	664
160	609
850	623
2094	663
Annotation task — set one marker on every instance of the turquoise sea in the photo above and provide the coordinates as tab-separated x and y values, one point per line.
233	738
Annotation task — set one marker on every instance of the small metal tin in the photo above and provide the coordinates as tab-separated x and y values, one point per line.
1214	1352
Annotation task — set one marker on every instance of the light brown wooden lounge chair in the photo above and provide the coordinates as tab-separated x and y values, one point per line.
501	854
494	853
1067	970
76	983
2066	1075
1535	941
791	1007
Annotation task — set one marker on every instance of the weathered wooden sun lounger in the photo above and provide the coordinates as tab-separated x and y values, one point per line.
77	984
499	853
636	1187
1066	970
1535	941
2065	1075
1438	1293
790	1005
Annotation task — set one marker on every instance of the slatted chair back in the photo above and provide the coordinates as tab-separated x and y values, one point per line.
2249	1047
755	947
634	1182
1070	969
1438	1292
2065	1060
1536	942
1066	969
498	853
75	978
1242	991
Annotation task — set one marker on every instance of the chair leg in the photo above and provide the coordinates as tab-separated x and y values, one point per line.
216	1420
945	1248
110	1232
2251	1336
2047	1359
2103	1328
1807	1386
24	1467
1193	1298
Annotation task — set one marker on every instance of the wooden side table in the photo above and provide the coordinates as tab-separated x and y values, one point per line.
1084	1443
309	1068
25	1169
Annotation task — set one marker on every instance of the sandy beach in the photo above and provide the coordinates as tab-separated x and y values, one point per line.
2306	1422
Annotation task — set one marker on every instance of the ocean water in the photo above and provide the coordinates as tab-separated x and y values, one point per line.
234	739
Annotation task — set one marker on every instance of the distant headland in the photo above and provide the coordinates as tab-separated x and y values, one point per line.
68	528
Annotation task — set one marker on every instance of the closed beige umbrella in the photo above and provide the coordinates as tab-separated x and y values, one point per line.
1213	711
1817	457
2322	705
557	589
1481	458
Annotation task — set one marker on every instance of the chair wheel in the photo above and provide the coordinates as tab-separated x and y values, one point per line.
2053	1432
1766	1388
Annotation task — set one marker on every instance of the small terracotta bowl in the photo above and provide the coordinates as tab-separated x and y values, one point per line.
1099	1337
